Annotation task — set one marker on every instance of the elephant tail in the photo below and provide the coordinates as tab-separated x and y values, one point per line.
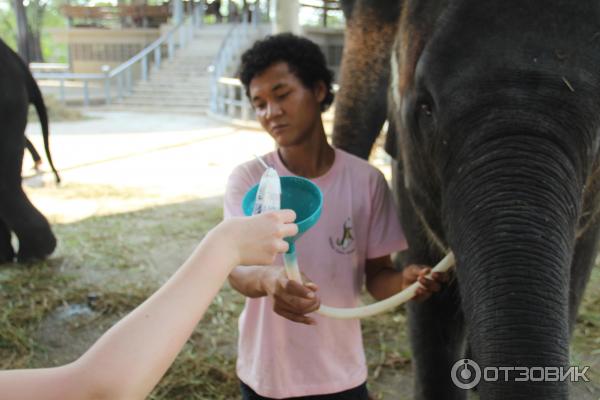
35	97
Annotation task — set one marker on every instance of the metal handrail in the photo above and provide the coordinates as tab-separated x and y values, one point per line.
227	100
68	75
226	41
153	46
150	48
125	69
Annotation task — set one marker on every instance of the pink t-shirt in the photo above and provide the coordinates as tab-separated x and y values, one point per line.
279	358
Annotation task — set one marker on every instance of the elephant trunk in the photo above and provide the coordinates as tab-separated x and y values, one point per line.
511	206
361	109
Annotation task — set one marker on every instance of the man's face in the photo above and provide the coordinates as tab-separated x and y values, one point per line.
285	108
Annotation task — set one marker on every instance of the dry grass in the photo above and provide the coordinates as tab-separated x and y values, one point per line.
56	111
30	294
205	369
110	263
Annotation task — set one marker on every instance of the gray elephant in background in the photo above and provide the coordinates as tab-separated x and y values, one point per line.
494	119
17	214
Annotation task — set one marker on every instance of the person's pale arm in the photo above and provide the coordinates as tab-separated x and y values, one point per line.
125	358
129	359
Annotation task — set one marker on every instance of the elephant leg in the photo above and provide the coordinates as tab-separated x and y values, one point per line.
36	240
7	254
436	325
437	341
584	256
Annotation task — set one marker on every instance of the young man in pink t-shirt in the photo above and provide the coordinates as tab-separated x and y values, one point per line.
284	351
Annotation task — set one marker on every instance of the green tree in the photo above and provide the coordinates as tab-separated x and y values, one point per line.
39	17
30	20
8	25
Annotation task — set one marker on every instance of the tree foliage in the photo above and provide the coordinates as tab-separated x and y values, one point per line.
40	15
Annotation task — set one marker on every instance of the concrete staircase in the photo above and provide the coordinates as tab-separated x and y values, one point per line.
181	85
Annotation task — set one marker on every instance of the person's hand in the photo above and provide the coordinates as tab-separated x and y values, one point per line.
291	299
417	273
258	239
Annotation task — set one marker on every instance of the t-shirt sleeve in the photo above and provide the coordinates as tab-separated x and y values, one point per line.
385	233
237	185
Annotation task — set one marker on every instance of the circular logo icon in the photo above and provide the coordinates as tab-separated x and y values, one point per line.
466	374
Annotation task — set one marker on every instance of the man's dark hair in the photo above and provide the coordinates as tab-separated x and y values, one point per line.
303	57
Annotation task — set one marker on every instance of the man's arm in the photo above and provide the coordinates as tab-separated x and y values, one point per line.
291	299
384	281
251	281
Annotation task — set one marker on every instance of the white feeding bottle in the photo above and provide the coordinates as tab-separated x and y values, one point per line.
268	195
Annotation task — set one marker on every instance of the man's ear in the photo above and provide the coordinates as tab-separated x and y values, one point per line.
320	91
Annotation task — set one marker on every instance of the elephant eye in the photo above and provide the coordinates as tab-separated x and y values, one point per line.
425	117
426	109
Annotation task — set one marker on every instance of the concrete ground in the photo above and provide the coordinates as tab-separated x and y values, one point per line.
169	157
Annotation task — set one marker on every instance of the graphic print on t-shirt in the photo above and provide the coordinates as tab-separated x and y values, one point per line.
345	243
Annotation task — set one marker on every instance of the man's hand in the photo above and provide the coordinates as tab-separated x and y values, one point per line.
292	300
417	273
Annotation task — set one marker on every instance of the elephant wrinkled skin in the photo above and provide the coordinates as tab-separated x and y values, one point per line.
494	112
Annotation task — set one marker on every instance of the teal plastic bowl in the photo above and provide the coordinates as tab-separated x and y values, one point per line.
298	194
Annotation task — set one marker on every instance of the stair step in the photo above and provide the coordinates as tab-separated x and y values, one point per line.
178	82
164	103
182	90
173	77
186	63
176	87
186	66
193	60
180	110
187	90
167	77
182	84
167	100
169	97
188	78
183	62
197	69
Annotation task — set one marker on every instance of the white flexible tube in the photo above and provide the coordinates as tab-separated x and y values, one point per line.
268	198
290	261
293	272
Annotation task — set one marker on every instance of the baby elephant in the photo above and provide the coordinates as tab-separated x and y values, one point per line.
17	214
